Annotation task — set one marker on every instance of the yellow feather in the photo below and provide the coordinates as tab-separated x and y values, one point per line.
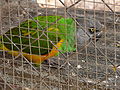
37	59
53	29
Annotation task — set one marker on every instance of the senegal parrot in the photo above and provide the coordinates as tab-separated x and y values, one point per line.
49	36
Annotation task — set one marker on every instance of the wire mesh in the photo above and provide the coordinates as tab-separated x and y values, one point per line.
89	55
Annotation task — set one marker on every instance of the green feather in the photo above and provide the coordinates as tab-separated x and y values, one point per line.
27	37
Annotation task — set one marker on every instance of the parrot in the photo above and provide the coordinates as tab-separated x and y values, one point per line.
39	42
48	37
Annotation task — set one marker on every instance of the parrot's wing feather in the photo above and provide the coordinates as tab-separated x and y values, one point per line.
29	37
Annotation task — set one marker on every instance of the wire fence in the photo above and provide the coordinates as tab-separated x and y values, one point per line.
58	48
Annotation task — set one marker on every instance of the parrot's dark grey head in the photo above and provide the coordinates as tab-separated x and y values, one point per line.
88	29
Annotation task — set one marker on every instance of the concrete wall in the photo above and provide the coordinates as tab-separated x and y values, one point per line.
86	4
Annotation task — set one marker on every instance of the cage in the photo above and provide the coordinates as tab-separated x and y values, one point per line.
59	44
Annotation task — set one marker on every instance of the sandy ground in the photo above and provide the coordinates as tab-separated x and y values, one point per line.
86	69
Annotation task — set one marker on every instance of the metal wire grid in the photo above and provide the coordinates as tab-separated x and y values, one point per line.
89	68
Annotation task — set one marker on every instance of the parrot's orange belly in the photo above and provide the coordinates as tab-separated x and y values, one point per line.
37	59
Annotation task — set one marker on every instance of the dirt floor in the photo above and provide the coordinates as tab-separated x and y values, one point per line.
87	69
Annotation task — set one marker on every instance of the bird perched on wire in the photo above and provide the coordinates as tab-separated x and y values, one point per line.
88	29
44	37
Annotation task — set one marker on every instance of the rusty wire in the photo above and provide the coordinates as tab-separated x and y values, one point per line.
87	34
67	57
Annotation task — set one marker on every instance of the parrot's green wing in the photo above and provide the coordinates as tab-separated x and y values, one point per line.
28	37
